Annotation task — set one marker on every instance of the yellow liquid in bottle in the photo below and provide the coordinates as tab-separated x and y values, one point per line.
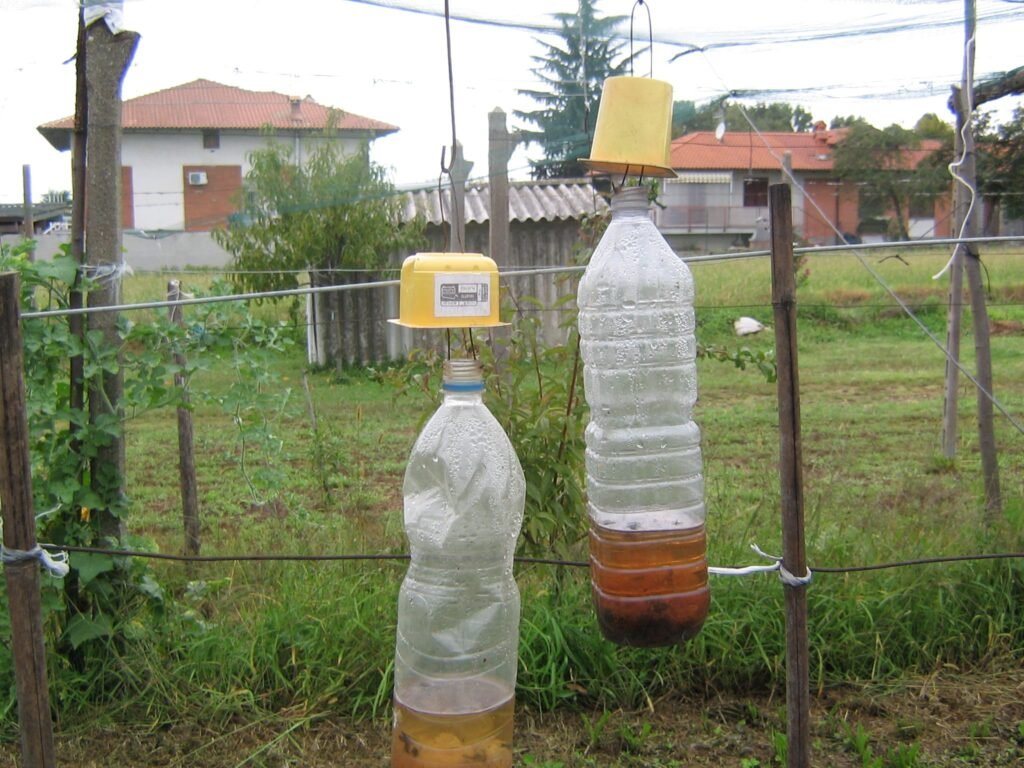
428	734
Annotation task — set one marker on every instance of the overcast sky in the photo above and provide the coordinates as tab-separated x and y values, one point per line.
887	60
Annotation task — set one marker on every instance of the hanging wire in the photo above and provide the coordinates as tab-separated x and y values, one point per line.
583	74
650	36
446	168
967	105
451	81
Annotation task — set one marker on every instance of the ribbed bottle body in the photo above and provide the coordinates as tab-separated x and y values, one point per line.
458	611
645	486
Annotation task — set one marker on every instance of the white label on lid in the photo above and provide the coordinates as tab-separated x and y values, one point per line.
461	295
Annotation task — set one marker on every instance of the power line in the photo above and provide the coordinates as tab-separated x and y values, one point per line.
766	37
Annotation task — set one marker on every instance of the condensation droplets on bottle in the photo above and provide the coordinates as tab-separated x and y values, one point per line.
645	484
458	609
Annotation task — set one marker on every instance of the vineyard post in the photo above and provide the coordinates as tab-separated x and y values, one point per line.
19	536
186	443
794	556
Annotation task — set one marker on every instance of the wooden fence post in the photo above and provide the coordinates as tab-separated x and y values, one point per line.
186	449
794	557
19	536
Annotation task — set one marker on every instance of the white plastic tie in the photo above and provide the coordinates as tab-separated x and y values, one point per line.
56	564
787	578
107	273
111	12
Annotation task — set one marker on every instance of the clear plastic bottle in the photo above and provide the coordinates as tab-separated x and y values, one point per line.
458	609
645	483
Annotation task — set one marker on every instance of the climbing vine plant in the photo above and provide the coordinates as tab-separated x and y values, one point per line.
83	610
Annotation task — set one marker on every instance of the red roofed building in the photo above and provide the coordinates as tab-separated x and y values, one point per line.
185	150
720	196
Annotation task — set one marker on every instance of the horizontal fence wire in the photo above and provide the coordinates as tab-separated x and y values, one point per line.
308	290
234	558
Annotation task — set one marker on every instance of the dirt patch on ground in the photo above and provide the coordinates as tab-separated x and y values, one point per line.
947	718
1006	327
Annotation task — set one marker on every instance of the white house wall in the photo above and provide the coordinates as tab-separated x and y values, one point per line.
700	206
157	159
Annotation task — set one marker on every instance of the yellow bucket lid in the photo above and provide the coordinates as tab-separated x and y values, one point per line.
448	290
633	134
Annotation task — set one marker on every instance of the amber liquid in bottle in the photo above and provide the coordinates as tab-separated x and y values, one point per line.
425	738
650	587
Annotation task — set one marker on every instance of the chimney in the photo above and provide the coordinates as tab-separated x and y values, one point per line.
296	103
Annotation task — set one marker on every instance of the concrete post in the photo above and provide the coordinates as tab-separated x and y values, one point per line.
107	58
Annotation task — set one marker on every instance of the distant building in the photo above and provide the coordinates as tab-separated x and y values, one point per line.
720	196
46	218
184	150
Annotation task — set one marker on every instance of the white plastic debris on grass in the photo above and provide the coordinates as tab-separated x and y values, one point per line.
745	326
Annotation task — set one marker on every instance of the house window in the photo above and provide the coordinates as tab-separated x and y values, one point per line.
922	206
211	139
755	193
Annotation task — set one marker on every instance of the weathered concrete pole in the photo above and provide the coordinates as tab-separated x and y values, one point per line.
107	58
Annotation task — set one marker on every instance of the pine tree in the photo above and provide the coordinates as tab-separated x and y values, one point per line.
574	71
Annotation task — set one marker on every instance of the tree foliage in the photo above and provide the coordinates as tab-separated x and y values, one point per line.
767	116
573	70
931	126
887	165
849	121
1000	161
331	211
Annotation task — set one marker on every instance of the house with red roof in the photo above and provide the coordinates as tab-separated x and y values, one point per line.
185	150
719	198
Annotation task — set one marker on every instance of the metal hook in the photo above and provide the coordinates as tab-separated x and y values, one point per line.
451	86
440	201
650	36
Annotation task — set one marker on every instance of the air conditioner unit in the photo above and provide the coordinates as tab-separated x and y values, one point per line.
196	178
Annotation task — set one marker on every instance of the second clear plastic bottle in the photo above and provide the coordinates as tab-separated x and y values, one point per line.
645	486
458	611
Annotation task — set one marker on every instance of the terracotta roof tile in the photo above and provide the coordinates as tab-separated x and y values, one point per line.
702	151
204	104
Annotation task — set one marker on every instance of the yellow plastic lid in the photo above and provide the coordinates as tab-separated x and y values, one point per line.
633	134
448	290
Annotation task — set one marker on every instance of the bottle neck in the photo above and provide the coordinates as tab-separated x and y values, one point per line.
463	380
630	202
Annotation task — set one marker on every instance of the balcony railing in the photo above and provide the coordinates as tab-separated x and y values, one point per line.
708	218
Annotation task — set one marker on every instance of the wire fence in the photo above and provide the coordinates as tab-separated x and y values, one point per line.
521	560
53	556
851	249
856	250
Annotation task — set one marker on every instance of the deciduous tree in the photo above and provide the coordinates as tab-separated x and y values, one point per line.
1001	162
887	164
330	212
